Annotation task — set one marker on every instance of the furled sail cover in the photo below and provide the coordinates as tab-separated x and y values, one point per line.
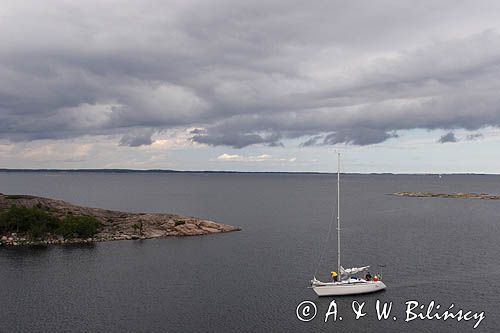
352	271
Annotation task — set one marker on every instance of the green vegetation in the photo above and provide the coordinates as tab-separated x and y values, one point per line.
78	226
37	223
138	227
177	222
33	221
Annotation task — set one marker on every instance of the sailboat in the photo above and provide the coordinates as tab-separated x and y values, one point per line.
345	282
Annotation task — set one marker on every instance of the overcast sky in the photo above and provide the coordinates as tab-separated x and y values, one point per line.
397	86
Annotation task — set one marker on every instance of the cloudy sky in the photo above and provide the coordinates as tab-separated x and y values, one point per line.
397	86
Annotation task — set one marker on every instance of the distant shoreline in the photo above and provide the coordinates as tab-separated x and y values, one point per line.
8	170
458	195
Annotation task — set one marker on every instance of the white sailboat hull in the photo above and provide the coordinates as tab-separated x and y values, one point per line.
347	288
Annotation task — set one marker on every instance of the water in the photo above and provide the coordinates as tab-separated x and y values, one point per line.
435	249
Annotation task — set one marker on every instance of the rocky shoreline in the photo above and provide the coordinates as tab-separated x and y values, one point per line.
115	225
458	195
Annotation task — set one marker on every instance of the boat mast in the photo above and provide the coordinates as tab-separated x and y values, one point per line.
338	216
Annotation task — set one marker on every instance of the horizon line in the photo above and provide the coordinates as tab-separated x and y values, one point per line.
126	170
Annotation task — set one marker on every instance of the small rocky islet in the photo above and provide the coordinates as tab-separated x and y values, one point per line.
457	195
113	225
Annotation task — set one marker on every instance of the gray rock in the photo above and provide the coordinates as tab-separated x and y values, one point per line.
119	225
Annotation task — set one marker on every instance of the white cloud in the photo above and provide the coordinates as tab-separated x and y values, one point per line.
254	158
241	158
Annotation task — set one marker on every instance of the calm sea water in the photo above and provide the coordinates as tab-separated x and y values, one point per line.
444	250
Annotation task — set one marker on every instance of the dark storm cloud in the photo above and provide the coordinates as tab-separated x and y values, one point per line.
311	141
358	136
247	73
235	140
355	136
474	136
448	137
137	139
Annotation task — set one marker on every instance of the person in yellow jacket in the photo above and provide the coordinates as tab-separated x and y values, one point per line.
334	276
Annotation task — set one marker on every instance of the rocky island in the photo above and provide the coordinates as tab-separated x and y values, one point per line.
31	220
458	195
